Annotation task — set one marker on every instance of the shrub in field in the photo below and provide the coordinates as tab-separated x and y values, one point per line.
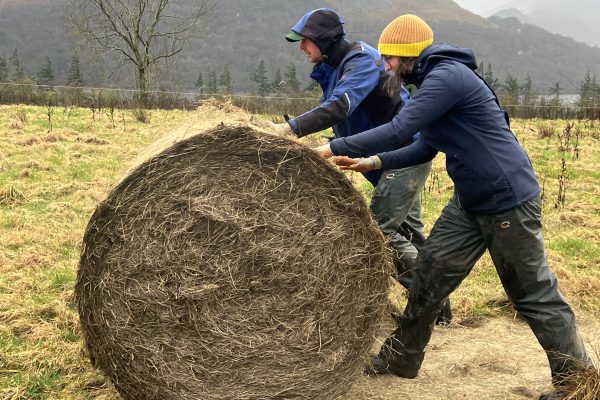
20	115
141	115
546	130
10	195
564	149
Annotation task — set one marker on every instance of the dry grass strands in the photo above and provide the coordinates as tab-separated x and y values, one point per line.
233	265
583	384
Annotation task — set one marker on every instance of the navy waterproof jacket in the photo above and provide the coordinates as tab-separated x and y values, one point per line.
457	114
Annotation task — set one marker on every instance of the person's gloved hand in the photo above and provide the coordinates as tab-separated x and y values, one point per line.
324	150
283	129
357	164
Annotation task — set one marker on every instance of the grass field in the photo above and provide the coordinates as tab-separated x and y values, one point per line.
51	179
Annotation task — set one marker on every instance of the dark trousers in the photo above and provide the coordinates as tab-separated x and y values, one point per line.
514	240
396	206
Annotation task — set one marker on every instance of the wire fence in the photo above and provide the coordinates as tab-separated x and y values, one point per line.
108	97
275	104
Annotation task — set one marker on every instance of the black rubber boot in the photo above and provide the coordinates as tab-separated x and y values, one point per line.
382	366
394	360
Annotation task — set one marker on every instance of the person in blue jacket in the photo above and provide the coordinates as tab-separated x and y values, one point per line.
495	207
359	95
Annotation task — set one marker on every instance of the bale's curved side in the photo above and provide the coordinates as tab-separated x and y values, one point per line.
233	265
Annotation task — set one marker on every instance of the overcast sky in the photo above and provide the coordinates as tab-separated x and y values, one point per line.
480	6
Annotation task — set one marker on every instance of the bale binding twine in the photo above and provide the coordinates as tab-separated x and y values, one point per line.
232	265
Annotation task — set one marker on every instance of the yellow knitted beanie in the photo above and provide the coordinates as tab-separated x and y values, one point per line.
406	36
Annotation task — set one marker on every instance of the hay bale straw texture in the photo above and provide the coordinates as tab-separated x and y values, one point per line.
232	265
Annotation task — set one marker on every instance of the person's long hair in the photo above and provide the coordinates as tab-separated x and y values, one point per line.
392	84
405	65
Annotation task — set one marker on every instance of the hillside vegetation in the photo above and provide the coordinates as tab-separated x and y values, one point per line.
240	34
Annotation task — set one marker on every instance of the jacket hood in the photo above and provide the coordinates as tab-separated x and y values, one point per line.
323	26
336	52
432	55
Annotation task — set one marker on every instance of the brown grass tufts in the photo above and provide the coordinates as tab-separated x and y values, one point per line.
15	124
31	164
141	115
11	195
53	138
92	140
546	130
29	141
19	115
584	384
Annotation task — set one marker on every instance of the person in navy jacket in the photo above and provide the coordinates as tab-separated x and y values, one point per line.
495	207
359	95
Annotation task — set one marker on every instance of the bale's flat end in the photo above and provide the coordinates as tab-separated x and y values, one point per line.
232	265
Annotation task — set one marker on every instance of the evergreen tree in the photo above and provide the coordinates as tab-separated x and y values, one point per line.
555	92
74	78
481	70
199	84
225	80
292	84
588	91
45	75
313	88
18	74
211	83
260	77
277	83
4	73
489	78
595	89
528	97
512	90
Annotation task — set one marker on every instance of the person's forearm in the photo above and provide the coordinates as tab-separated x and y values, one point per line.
319	118
414	154
377	140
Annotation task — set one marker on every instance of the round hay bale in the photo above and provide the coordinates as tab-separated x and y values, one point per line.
233	265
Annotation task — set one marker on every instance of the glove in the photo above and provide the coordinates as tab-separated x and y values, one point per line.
358	164
283	129
324	150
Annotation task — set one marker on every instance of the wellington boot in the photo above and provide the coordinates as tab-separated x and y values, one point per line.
381	366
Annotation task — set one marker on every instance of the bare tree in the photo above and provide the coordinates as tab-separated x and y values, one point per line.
142	32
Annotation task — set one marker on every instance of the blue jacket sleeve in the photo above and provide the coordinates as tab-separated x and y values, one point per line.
414	154
436	96
404	95
359	77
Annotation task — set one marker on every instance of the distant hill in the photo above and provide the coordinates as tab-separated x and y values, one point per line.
570	19
513	13
242	33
